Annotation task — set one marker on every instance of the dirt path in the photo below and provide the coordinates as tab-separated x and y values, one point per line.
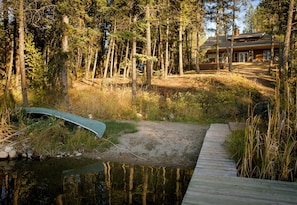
158	143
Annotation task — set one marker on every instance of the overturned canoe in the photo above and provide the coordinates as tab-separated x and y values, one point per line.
93	125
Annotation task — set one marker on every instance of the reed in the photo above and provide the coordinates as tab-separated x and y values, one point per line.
271	153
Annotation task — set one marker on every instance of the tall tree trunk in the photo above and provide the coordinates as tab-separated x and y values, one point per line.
22	54
180	49
7	58
288	38
89	61
64	67
166	50
134	83
148	47
217	39
94	66
126	68
230	56
108	58
112	59
271	52
198	50
286	63
16	56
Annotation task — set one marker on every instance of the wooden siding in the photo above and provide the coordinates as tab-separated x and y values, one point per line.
215	181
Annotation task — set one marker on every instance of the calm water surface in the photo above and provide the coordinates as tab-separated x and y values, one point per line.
85	181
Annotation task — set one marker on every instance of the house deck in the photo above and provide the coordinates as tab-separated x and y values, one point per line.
215	179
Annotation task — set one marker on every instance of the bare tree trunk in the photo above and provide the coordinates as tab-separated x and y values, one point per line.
126	68
115	61
6	46
112	59
148	47
8	51
271	52
180	48
94	67
161	51
89	61
198	50
16	54
64	67
217	39
288	38
108	58
230	57
22	54
134	83
286	62
166	50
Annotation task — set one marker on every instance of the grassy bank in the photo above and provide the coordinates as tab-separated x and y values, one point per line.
204	98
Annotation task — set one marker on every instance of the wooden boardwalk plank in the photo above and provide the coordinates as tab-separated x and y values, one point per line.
215	180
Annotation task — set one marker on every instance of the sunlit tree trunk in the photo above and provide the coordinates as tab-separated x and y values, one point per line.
94	66
230	57
148	47
89	61
286	61
161	50
217	39
64	64
126	68
112	59
288	38
198	50
22	54
134	83
108	58
180	48
166	50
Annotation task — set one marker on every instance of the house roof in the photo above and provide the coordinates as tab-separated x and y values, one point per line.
242	41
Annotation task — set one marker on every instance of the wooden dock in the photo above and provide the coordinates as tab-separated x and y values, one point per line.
215	181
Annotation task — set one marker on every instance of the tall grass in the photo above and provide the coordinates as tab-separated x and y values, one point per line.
51	137
207	100
6	127
270	150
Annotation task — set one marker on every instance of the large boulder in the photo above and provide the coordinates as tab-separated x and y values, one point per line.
3	155
12	154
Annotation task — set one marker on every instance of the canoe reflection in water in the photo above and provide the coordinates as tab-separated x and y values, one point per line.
85	181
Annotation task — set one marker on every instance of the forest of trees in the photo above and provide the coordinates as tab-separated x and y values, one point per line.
46	43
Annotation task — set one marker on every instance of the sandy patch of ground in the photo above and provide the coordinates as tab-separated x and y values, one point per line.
158	143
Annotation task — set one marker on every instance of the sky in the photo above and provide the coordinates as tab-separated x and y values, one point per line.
239	21
255	3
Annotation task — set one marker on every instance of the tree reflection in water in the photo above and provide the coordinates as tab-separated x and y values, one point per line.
85	181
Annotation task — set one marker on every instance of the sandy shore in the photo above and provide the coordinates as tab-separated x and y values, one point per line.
158	143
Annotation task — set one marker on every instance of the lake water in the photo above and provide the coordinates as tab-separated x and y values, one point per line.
84	181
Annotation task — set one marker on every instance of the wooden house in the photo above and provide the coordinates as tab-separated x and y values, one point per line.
247	47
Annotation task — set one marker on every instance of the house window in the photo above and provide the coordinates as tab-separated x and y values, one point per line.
266	55
243	56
